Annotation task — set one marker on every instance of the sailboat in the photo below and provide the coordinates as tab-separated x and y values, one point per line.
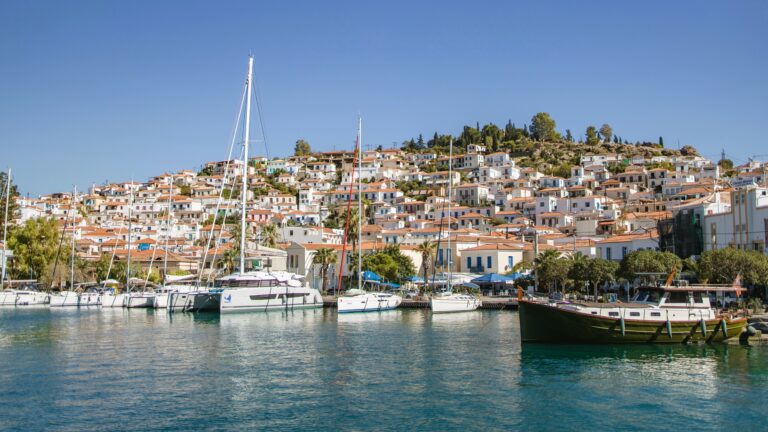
449	301
70	297
260	291
358	300
114	298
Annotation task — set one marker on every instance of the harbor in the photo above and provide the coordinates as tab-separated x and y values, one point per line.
497	303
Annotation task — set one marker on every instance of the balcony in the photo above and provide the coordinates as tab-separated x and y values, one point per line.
477	269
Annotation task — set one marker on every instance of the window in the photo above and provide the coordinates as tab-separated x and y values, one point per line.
479	262
613	314
655	314
469	262
624	251
510	262
608	253
489	262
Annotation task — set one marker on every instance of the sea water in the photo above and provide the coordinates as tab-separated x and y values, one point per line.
119	369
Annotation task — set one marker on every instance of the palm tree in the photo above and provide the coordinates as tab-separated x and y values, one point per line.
269	235
324	257
427	251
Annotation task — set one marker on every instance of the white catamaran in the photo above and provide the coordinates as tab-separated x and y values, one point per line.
358	300
258	291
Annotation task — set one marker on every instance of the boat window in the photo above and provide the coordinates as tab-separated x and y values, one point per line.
655	314
678	297
613	314
637	314
263	297
697	297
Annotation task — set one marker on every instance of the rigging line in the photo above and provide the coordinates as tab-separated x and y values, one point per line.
221	233
260	113
224	183
349	204
58	251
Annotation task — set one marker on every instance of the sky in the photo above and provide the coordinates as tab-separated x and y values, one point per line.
95	91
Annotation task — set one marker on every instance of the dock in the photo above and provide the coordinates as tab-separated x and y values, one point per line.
497	303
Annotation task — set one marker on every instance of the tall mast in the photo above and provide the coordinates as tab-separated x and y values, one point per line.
168	232
72	253
247	137
360	203
5	224
450	197
130	229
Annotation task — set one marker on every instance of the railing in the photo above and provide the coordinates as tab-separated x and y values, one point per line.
477	269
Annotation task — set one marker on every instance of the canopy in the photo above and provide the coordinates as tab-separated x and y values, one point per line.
391	284
515	275
470	285
371	276
414	279
491	278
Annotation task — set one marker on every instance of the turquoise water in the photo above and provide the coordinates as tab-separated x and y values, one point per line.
314	370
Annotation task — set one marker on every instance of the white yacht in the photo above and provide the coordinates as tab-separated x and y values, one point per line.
360	301
23	298
260	291
454	302
90	297
65	298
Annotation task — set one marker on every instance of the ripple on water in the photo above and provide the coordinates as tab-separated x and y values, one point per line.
92	369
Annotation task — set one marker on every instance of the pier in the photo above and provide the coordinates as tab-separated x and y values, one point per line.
498	303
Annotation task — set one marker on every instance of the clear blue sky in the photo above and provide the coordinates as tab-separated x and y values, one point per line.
97	90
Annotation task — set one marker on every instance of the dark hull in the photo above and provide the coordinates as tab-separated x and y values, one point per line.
543	323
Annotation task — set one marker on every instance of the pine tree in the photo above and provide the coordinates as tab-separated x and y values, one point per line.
661	141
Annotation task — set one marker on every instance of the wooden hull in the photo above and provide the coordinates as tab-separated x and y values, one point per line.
543	323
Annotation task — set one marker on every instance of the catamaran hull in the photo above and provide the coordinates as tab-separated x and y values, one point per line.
203	302
450	305
260	299
540	322
141	301
367	303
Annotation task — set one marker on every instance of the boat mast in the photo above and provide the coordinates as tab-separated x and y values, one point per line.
360	203
450	197
247	136
72	254
130	228
5	224
168	233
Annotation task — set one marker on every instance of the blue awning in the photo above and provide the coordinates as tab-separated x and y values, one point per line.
491	278
414	279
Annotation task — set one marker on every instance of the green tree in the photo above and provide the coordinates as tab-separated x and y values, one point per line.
661	142
12	205
381	264
302	148
269	235
568	135
103	271
606	131
552	269
34	245
723	265
543	127
427	251
593	271
324	257
648	261
592	138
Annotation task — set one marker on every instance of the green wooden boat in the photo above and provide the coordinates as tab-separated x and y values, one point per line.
656	315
